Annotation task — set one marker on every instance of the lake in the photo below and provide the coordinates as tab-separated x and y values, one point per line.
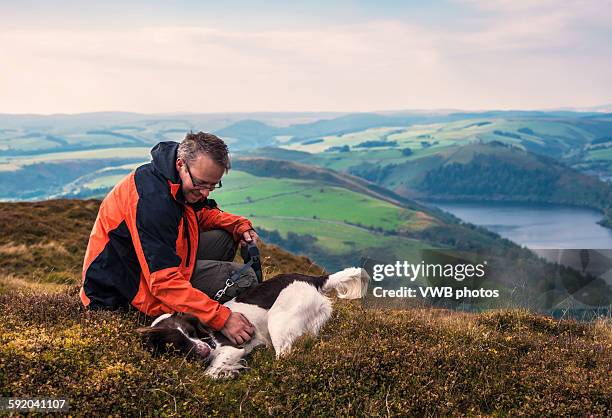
536	225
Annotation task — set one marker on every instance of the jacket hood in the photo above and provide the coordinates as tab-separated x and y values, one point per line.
164	160
164	163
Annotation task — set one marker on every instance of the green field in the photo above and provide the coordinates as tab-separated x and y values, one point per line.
344	161
346	224
337	238
299	199
105	178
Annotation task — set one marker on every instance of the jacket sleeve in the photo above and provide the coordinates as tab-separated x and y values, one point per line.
217	219
154	233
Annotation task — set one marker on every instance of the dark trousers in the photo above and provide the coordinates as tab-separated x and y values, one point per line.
214	265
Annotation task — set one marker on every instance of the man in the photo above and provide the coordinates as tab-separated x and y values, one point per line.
146	250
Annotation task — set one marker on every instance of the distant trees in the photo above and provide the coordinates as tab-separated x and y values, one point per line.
312	141
343	148
489	176
478	124
373	144
507	134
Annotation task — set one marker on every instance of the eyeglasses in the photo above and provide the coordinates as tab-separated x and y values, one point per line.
200	185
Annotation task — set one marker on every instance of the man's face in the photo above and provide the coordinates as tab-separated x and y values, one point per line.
203	171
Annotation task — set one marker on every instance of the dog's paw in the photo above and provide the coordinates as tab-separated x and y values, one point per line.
221	373
214	373
227	371
283	350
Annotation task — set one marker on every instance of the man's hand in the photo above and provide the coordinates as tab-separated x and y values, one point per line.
249	236
238	329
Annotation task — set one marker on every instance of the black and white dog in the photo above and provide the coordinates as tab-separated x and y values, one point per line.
281	309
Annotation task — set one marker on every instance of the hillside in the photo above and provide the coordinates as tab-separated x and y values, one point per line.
496	171
365	362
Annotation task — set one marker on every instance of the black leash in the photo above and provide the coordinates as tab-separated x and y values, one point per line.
254	260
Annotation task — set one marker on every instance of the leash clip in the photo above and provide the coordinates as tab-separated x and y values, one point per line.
228	283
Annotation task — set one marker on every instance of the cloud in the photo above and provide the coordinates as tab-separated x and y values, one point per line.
537	25
202	68
484	60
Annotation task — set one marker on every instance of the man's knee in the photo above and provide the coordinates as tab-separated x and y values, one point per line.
216	244
247	280
210	276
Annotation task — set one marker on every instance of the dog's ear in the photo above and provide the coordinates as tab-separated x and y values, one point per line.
168	340
198	326
150	337
160	339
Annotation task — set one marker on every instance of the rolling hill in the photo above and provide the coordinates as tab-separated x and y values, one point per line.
490	171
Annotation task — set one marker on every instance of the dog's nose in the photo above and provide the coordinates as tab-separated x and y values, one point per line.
203	350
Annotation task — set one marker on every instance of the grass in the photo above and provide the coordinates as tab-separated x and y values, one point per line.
412	362
365	362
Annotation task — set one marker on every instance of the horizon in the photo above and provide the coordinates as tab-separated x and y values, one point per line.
601	108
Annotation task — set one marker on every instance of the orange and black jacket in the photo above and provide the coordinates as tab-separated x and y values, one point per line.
143	245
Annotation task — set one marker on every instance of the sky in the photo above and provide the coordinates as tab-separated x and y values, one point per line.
161	56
